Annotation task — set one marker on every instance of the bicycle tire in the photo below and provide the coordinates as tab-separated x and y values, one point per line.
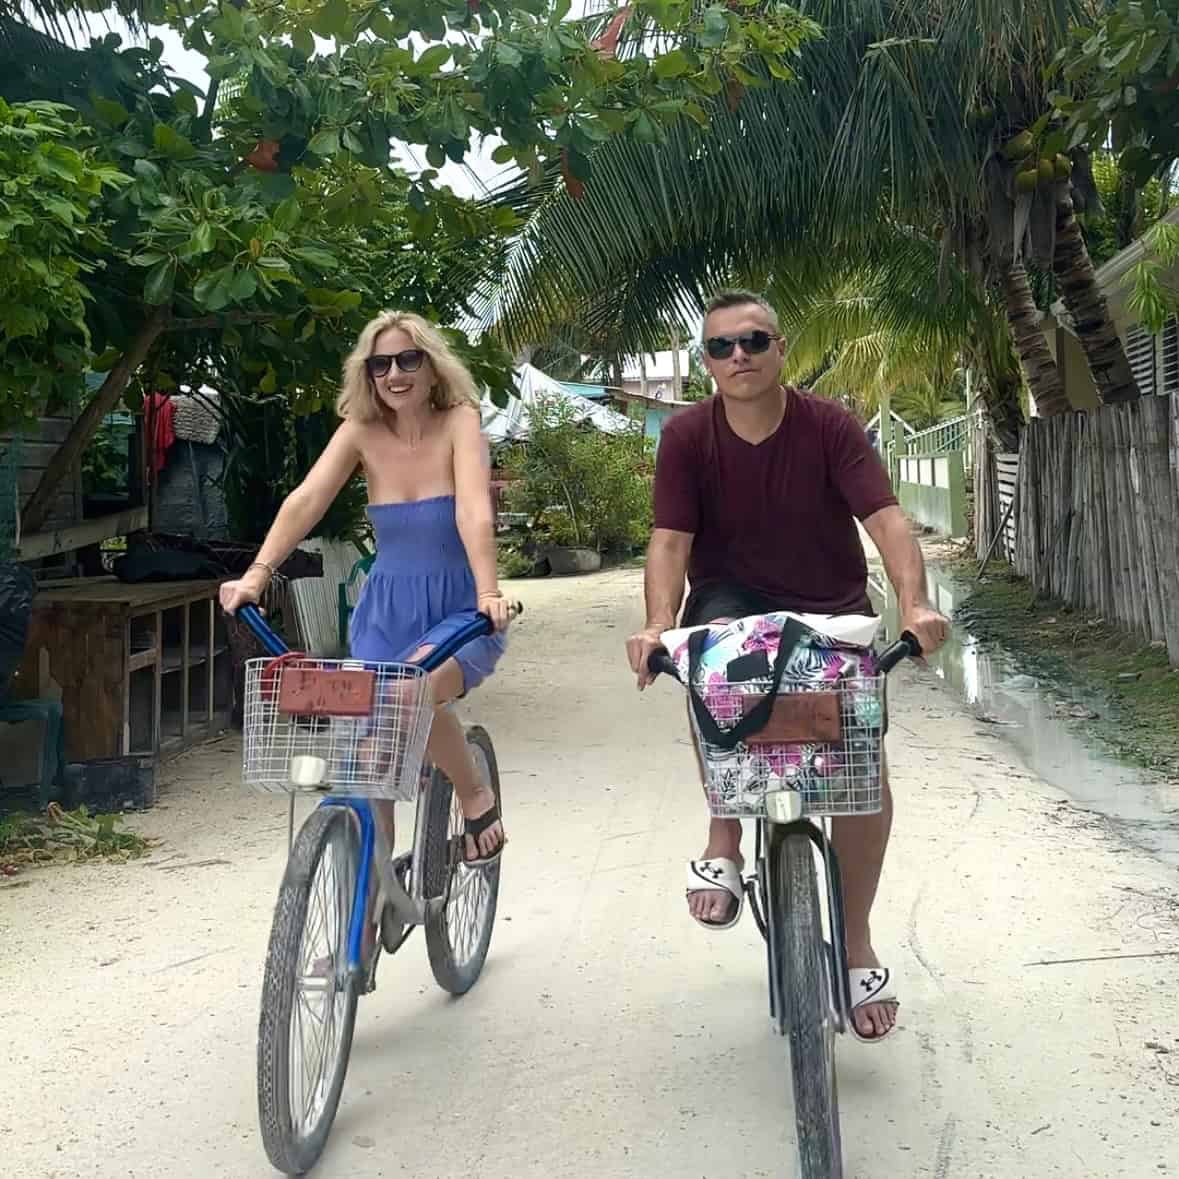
293	1149
805	994
457	967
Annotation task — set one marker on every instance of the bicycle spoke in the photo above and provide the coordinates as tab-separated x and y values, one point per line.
316	1007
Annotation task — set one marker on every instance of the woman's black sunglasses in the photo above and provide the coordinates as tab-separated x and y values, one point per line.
753	344
408	361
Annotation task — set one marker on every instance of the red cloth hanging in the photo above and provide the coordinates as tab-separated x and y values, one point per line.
161	420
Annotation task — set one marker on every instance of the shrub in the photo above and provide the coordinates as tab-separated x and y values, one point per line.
580	487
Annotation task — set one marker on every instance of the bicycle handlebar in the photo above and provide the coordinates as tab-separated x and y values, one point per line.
906	647
478	627
659	662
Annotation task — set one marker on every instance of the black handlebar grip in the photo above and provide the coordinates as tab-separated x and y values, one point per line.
908	647
659	662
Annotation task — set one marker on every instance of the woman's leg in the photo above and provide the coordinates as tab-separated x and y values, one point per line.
448	750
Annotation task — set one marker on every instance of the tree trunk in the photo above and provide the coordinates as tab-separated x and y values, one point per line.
616	370
1127	210
69	454
1077	283
677	376
1039	368
1002	401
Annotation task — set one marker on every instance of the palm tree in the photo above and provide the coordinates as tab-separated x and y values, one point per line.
900	114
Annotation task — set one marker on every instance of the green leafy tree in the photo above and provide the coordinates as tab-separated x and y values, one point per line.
51	237
245	225
1122	74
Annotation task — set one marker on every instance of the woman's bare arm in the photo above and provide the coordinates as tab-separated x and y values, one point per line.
300	512
472	494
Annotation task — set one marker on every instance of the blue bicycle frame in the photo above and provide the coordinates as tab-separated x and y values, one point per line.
273	645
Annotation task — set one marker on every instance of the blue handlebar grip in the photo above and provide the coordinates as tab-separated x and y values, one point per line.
252	617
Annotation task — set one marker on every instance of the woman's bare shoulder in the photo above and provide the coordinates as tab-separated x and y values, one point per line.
361	434
463	420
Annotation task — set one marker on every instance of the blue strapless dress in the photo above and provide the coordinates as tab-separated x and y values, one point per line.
420	589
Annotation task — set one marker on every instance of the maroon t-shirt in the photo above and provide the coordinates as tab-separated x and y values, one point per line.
778	517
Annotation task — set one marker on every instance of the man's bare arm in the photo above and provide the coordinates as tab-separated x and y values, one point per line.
667	570
891	534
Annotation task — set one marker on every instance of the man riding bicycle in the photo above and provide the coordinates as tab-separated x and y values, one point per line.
757	493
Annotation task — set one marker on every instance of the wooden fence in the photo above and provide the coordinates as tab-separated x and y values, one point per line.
1097	505
995	476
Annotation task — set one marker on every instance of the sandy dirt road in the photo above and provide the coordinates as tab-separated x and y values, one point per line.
609	1036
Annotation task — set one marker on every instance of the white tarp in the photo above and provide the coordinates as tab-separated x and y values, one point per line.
511	424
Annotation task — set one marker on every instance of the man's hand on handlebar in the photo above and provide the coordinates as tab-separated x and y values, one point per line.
638	650
930	628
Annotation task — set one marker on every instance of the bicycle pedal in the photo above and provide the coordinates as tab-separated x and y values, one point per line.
392	930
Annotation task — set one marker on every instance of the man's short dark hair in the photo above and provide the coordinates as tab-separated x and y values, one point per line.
723	300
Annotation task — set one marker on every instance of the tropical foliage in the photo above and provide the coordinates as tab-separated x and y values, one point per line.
578	486
252	228
906	119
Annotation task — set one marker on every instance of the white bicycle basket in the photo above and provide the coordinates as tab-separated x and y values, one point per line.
808	719
335	725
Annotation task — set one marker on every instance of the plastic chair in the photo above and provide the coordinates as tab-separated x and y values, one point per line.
350	593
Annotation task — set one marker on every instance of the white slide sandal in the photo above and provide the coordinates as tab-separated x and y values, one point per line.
872	985
718	875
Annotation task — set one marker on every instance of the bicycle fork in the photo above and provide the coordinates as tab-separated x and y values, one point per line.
763	901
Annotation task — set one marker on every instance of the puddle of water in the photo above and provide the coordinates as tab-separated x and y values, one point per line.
1043	722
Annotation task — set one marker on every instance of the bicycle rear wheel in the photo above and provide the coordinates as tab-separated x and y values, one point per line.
308	995
458	933
805	1003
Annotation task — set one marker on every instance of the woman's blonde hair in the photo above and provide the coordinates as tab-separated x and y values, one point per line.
453	384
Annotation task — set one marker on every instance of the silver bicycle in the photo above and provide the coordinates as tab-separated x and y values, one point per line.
765	775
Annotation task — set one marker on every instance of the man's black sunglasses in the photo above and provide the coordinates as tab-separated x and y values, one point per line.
753	344
408	361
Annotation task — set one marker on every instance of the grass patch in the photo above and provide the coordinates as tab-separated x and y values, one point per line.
60	836
1137	686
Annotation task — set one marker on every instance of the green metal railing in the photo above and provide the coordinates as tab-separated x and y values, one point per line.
946	437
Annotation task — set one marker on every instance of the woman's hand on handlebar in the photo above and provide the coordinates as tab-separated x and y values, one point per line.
499	609
236	594
639	648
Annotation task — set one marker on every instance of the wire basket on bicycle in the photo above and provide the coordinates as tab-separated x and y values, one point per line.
778	706
340	725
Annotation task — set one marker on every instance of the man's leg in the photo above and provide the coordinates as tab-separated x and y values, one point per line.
860	843
724	843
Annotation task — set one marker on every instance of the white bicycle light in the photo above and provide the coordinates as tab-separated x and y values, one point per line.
307	771
783	806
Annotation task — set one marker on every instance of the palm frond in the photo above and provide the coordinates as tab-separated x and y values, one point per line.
64	20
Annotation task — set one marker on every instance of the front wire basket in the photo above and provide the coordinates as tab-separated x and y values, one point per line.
342	726
834	777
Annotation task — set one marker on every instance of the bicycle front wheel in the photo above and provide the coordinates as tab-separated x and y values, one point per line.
458	933
805	998
308	995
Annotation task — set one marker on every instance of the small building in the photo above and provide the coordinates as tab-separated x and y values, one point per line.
655	372
1154	359
651	410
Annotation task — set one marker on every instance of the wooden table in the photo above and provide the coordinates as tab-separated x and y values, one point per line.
139	668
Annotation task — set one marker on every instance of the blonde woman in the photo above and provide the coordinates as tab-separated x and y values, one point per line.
411	421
